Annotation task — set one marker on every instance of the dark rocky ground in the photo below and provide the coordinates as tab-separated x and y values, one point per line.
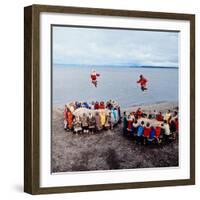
106	150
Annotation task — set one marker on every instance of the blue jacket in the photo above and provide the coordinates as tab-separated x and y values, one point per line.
152	133
113	116
140	130
116	114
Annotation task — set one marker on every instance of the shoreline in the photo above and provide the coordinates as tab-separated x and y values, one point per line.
160	106
148	107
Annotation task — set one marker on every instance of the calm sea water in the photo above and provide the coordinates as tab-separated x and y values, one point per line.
119	83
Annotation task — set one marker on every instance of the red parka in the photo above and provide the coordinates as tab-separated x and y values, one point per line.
157	131
94	76
147	131
142	81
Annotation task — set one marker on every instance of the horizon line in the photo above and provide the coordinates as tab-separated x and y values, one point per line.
117	65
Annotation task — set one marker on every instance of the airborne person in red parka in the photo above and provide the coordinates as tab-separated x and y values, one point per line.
143	82
94	76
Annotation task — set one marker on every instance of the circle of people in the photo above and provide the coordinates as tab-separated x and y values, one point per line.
152	128
83	117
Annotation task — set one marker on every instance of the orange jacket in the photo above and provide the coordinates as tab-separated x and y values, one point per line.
69	119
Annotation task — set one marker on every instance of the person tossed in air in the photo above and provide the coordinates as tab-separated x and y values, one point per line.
143	83
94	76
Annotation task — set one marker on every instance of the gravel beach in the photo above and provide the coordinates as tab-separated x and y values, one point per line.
107	150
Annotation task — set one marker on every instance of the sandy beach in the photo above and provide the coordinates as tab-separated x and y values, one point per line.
108	150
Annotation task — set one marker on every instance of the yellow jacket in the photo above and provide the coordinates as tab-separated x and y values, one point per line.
102	118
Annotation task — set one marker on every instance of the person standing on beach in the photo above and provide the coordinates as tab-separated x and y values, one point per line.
143	83
69	119
85	123
65	117
94	76
92	123
102	115
168	116
167	133
140	131
77	125
147	130
98	122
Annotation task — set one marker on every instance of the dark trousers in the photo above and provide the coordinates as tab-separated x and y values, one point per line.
139	139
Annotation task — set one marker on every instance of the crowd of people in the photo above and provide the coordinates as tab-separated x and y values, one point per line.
152	128
83	117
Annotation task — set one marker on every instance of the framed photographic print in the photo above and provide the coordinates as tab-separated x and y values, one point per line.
109	99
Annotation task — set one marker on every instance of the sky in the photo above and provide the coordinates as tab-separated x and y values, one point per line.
91	46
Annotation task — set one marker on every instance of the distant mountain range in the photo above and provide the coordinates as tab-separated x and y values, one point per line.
166	67
115	65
